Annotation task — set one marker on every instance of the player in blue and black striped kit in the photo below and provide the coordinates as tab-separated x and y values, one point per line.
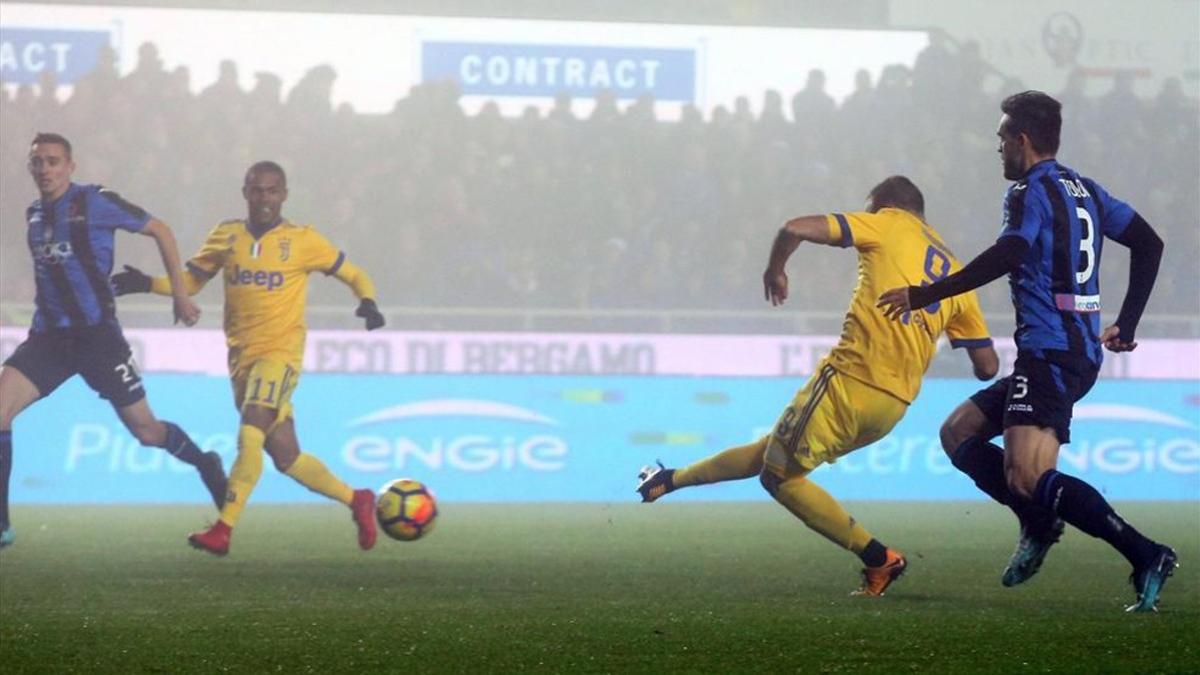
1055	222
75	329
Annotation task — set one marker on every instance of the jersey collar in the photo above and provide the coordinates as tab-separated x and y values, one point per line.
259	234
1044	165
71	187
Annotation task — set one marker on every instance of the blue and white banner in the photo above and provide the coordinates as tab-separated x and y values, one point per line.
515	69
25	53
561	438
512	63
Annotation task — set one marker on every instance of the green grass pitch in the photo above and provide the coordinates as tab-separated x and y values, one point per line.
668	587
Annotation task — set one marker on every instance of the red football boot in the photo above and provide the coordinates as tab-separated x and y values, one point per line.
215	539
362	509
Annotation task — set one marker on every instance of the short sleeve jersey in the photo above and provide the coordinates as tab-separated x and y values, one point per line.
266	283
896	249
1056	290
71	240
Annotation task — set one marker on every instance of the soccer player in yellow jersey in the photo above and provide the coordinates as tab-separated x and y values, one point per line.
265	261
864	386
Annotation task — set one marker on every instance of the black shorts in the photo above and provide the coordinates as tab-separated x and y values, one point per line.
1041	392
99	353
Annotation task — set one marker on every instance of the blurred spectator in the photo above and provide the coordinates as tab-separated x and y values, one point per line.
561	112
936	72
812	107
95	89
1120	107
47	109
148	78
225	91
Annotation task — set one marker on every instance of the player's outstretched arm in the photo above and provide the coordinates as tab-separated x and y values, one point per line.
1001	258
364	289
192	283
185	310
787	240
1145	254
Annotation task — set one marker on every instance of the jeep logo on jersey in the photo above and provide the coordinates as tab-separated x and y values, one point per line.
244	277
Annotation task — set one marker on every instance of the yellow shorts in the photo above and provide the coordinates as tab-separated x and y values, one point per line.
267	382
833	415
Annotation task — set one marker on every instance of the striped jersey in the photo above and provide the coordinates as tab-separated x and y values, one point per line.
1056	289
71	240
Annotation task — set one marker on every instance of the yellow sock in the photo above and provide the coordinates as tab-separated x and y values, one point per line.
314	475
822	513
244	475
735	463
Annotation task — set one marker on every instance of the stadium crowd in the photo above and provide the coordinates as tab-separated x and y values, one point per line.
614	209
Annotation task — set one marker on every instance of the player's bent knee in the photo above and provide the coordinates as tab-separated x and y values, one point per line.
14	397
769	480
258	416
8	412
151	434
966	421
283	462
7	415
950	437
1020	482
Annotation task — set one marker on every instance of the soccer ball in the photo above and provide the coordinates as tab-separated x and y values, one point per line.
405	509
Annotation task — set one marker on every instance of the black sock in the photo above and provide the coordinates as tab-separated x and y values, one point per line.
5	473
182	447
984	463
874	555
1082	506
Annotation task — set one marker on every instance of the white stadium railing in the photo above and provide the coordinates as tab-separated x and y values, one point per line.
785	321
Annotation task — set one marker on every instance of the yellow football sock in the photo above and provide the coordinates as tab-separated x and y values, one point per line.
735	463
312	473
244	475
822	513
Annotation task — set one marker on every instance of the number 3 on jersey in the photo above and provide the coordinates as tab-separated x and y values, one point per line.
1087	246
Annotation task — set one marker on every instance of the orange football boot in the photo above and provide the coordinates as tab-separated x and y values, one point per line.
877	579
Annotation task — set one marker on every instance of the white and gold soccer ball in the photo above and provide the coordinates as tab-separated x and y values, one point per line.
406	509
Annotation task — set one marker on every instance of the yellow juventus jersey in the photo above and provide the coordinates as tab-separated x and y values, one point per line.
895	248
266	283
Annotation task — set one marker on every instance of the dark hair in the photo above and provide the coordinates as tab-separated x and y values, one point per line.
1038	116
50	137
266	166
898	192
